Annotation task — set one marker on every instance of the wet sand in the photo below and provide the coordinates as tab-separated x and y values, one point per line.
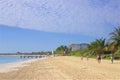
64	68
8	67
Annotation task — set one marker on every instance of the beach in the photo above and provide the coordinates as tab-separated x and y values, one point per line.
8	67
61	68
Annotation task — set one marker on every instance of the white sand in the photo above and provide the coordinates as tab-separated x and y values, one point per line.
65	68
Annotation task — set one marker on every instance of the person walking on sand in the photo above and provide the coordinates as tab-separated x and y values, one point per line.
81	57
99	58
112	57
87	58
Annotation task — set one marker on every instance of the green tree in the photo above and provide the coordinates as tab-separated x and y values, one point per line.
111	46
115	37
62	49
97	46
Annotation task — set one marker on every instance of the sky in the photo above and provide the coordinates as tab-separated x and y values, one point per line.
43	25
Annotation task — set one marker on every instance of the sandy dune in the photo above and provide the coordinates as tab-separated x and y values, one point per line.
65	68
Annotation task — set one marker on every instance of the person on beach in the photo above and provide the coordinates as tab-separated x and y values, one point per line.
112	57
81	57
87	58
99	58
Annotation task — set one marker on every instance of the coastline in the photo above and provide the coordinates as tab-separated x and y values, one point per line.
64	68
18	58
9	67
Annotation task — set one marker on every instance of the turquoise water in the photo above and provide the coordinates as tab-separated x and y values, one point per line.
10	59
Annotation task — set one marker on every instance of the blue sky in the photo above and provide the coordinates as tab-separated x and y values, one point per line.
14	39
39	25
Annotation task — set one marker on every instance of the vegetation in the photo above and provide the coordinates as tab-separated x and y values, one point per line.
37	53
102	47
97	46
82	52
62	50
41	53
115	37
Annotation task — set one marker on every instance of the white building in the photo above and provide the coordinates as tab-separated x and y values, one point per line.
78	46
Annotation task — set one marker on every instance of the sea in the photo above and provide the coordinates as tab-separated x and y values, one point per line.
10	59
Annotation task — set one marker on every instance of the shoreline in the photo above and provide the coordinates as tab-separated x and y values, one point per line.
6	59
12	66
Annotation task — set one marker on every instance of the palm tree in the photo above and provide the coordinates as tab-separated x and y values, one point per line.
97	46
111	47
115	37
62	49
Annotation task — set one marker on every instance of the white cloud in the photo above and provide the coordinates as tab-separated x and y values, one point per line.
88	17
